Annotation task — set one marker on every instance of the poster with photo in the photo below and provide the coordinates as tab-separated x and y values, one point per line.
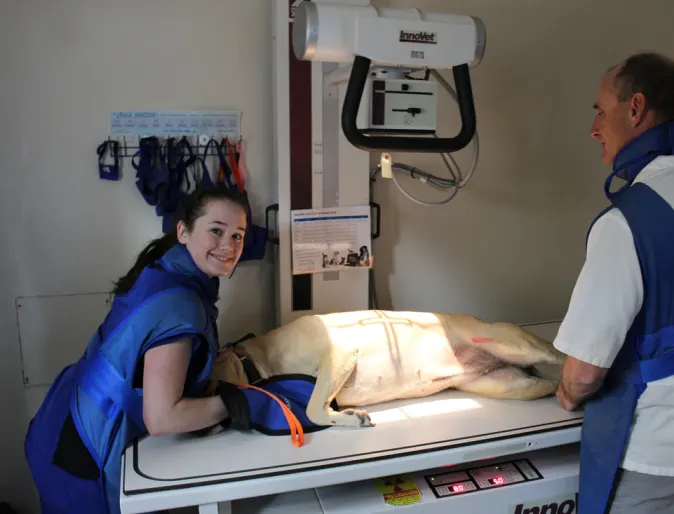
331	239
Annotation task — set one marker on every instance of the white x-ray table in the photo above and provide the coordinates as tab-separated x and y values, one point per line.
449	428
169	472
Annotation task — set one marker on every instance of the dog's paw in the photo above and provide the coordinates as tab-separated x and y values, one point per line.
345	418
355	418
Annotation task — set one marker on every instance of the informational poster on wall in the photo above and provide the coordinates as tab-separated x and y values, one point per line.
175	123
331	239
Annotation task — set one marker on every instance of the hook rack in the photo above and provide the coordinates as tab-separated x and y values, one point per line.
114	150
128	146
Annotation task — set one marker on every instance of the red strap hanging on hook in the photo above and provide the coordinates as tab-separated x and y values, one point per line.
234	165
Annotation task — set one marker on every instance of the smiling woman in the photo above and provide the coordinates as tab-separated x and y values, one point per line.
146	368
212	221
215	240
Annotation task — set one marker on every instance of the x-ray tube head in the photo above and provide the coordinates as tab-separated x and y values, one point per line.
365	36
388	37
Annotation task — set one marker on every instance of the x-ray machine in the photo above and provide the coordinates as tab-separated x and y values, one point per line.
343	88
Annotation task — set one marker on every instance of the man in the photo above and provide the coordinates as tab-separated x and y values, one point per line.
620	322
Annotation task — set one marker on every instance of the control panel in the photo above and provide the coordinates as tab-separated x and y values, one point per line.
398	105
481	478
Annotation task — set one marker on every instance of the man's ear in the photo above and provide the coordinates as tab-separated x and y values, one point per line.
182	232
637	111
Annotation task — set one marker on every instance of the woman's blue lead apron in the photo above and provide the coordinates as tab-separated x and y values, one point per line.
96	402
648	351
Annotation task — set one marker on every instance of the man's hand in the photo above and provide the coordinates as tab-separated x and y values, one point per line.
564	399
580	381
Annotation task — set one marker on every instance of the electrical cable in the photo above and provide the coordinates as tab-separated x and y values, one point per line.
455	183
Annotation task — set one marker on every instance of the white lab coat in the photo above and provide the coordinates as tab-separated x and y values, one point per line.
607	296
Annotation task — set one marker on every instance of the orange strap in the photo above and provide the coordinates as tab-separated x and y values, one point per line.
221	174
234	165
221	169
296	430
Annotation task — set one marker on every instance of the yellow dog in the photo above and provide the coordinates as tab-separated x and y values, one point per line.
368	357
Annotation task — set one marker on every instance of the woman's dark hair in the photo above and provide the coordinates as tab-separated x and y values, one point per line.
191	209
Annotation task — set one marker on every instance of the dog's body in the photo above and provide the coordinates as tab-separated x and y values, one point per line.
363	358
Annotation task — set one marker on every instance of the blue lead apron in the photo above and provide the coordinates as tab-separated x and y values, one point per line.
98	391
648	351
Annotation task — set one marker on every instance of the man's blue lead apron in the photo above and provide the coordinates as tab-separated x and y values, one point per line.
648	351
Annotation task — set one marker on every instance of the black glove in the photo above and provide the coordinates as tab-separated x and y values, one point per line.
236	403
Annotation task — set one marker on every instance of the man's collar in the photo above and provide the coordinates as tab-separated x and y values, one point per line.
638	153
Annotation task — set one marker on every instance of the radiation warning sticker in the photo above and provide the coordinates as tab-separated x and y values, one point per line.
398	490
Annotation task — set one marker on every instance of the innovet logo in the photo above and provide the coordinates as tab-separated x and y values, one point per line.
420	36
566	504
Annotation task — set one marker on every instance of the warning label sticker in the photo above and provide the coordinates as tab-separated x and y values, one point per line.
398	490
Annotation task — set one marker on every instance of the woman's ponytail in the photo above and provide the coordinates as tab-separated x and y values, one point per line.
153	251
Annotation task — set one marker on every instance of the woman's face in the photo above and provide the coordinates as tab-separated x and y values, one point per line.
216	240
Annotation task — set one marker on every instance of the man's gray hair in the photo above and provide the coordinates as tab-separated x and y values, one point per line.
652	75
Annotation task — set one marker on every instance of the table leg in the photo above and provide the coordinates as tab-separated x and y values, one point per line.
216	508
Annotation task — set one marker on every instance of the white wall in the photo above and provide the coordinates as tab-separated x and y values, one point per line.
65	66
510	245
507	247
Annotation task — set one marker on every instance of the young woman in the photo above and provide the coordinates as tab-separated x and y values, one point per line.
145	368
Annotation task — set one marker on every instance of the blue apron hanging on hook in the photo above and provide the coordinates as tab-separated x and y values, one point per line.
160	173
206	182
255	239
178	158
149	181
165	164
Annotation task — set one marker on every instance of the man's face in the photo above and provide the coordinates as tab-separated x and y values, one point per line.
611	125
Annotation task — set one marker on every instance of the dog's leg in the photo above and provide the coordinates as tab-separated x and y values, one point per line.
510	383
333	371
